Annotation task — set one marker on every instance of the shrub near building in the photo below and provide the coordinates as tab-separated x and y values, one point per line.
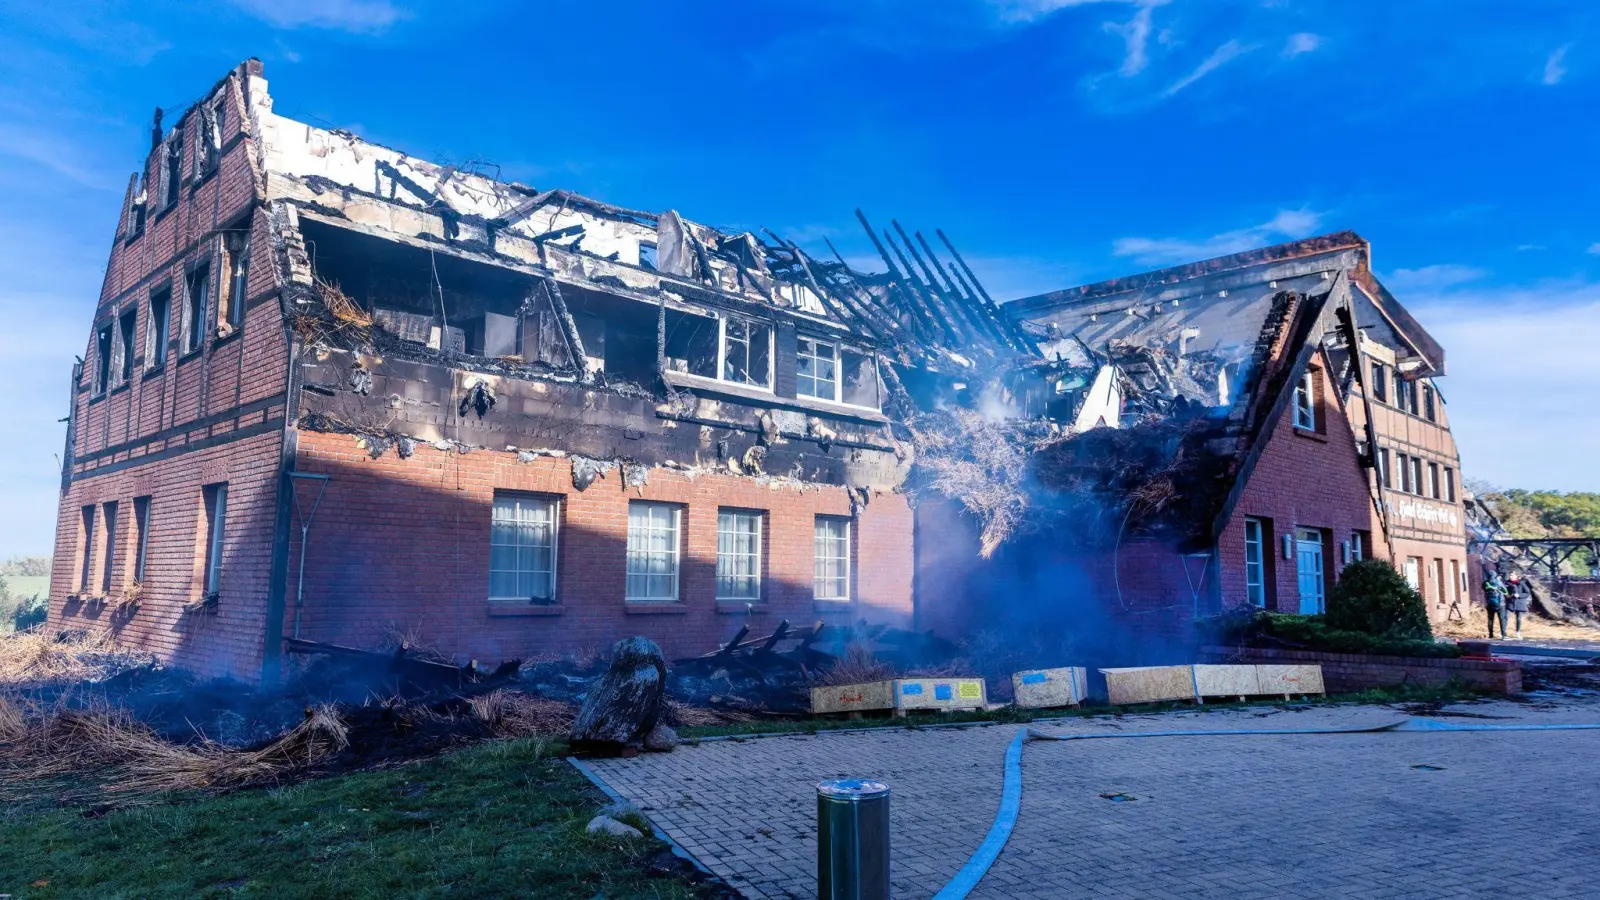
1372	598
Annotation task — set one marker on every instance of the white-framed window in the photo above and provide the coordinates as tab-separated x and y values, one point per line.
1384	471
1305	402
1358	546
738	555
216	511
1450	484
653	551
816	369
1416	475
522	549
831	570
1433	480
746	352
1255	562
1380	382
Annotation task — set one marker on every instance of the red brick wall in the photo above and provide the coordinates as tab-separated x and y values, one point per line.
214	415
1302	479
1346	673
402	546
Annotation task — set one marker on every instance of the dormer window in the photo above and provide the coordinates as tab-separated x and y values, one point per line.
1305	402
837	373
746	352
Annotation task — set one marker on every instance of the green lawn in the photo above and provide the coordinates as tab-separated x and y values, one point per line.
498	820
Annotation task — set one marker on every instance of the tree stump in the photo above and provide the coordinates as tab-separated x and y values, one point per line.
625	703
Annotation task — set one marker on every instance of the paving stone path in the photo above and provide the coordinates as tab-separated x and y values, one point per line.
1505	814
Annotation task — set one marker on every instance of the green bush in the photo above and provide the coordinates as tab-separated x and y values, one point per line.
1372	598
29	613
1315	633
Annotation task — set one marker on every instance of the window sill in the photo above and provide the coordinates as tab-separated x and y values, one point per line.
96	397
155	370
510	610
165	210
1308	434
233	334
187	355
122	387
768	398
832	605
648	608
754	607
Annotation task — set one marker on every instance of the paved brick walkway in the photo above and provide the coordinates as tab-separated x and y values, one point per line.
1508	815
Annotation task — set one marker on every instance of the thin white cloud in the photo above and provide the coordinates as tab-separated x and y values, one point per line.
1555	66
1220	57
359	16
55	153
1432	278
1135	34
1024	11
1489	334
1301	43
1594	249
1288	224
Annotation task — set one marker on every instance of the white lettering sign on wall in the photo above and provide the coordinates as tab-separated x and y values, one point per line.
1425	513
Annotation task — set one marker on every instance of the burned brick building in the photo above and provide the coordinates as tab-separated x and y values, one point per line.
1241	429
338	394
335	394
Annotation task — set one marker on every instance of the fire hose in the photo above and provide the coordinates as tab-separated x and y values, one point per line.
1011	791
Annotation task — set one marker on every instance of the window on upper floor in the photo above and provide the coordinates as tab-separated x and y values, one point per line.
102	358
1433	481
236	260
157	328
212	119
85	547
1450	484
1380	382
197	295
1403	476
1305	401
746	352
127	324
816	369
172	170
647	255
1429	411
1416	475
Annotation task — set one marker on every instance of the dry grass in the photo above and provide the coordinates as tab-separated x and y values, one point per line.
511	714
130	758
977	463
680	715
857	666
37	656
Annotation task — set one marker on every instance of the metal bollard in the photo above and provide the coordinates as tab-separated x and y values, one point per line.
852	840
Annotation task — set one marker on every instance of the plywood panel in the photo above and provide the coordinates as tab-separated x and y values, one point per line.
939	693
1045	688
1149	684
1226	681
1290	679
873	695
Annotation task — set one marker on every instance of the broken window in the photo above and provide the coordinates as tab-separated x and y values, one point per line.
1416	475
214	499
102	358
110	548
1433	480
141	537
817	369
212	120
746	352
199	298
1255	582
831	570
522	549
653	551
1428	411
1380	382
860	384
173	172
738	555
1305	402
157	337
1449	484
236	249
126	325
1383	468
692	344
86	547
647	255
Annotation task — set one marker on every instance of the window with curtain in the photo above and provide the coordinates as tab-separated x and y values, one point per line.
831	571
738	555
522	549
653	551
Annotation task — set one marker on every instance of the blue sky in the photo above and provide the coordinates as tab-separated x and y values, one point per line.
1056	141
